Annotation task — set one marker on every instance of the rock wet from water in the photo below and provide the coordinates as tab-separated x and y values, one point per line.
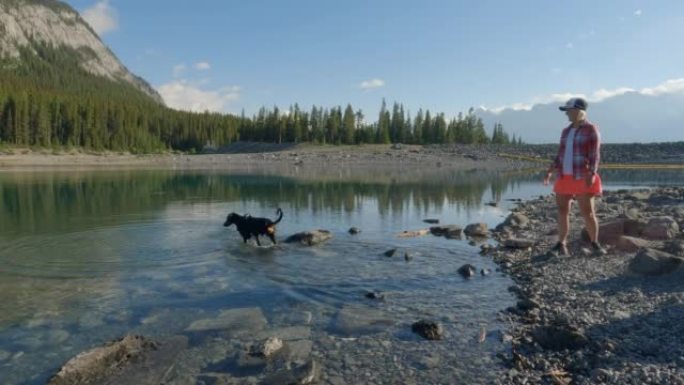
310	238
430	330
467	270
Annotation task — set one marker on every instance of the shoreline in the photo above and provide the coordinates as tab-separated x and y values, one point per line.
579	319
459	157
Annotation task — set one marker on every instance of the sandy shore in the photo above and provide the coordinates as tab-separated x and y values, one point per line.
581	319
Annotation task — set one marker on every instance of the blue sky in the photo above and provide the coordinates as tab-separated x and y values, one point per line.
445	56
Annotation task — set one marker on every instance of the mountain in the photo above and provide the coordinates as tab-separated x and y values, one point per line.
632	117
48	30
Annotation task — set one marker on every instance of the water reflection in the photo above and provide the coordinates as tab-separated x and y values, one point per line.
87	256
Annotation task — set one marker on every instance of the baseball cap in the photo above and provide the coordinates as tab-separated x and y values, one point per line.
578	103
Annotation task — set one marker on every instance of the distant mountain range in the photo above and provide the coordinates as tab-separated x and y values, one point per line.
628	118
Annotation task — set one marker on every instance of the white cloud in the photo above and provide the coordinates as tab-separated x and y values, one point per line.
637	13
671	86
182	95
202	66
371	84
178	69
102	17
604	94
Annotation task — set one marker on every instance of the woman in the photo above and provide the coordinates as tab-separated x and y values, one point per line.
576	166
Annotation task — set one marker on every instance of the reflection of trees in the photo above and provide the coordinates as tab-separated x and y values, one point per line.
34	202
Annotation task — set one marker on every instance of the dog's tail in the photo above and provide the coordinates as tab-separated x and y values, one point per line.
280	215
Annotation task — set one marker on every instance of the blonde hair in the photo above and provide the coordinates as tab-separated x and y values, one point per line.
581	115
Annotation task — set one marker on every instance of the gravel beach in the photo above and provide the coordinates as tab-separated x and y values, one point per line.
614	319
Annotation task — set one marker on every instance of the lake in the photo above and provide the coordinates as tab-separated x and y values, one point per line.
89	256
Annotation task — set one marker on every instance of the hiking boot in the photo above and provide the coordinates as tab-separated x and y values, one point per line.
597	250
559	249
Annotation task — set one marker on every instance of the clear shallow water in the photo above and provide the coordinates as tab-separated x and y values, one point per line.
89	256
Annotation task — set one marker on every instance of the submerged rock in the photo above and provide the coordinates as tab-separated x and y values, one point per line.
310	238
429	330
129	360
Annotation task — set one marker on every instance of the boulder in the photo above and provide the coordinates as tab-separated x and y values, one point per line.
310	238
266	348
654	262
675	247
429	330
449	231
559	337
467	270
129	360
661	228
610	232
354	230
517	243
476	230
631	244
516	220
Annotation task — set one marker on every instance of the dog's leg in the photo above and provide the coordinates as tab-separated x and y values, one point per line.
272	238
257	240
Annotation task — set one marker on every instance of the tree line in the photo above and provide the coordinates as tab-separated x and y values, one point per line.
46	100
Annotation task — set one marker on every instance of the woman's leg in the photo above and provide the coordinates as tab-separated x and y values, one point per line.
586	204
564	202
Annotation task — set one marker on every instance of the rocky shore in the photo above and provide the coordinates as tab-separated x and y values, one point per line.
288	155
580	319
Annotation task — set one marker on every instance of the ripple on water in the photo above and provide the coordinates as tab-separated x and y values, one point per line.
101	251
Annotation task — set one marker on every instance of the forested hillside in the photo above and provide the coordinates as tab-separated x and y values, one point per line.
47	100
60	86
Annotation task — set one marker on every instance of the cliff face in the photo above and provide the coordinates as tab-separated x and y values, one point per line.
24	24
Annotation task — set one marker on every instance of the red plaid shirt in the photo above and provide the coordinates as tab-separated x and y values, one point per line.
586	150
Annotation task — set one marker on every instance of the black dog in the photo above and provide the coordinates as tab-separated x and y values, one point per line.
248	226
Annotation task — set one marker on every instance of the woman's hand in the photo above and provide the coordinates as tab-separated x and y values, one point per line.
547	178
590	179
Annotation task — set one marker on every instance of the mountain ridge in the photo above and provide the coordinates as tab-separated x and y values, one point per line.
25	25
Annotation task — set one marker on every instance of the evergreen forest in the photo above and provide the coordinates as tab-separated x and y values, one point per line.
46	100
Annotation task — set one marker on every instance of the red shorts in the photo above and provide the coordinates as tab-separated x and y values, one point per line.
568	185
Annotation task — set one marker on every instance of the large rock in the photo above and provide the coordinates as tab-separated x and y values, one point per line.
429	330
449	231
661	228
129	360
654	262
631	244
610	232
559	337
476	230
517	243
467	270
516	220
310	238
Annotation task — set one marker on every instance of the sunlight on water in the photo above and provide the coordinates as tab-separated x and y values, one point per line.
87	257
